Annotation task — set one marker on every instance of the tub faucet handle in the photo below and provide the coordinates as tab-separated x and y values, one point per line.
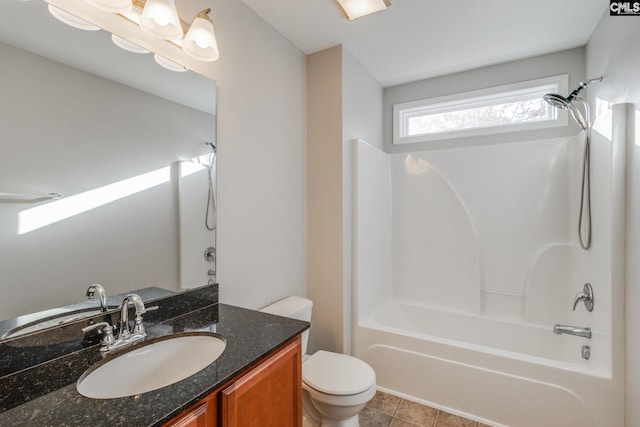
585	296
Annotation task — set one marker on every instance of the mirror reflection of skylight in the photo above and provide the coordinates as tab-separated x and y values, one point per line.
50	213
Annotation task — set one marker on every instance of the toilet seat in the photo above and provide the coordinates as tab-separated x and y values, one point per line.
338	379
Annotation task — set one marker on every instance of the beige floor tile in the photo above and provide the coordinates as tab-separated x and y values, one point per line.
449	420
385	403
483	425
415	413
397	422
372	418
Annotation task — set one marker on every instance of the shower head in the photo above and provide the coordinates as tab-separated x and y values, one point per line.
560	101
563	103
212	146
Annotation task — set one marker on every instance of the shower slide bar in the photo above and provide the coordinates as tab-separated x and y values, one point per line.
27	197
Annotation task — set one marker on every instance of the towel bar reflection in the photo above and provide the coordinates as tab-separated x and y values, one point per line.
27	197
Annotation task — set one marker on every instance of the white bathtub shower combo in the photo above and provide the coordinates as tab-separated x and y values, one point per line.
466	258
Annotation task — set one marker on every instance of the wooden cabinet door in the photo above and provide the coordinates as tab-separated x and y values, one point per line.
194	418
270	395
202	414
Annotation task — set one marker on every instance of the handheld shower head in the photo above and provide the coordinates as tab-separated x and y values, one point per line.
563	103
210	212
557	101
584	121
560	101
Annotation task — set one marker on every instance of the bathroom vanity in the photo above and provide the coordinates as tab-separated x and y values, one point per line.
257	377
270	391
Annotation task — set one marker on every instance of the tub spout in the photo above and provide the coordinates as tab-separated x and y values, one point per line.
572	330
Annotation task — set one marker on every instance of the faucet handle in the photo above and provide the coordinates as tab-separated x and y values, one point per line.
102	328
585	296
138	328
579	297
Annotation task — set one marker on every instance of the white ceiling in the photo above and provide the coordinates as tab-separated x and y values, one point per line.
412	40
417	39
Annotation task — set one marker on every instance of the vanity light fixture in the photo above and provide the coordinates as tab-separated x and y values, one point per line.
127	45
71	20
114	6
168	64
159	19
354	9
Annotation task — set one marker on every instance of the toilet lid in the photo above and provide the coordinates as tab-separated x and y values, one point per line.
337	374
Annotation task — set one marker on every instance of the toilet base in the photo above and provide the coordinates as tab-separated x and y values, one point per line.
351	422
311	417
307	422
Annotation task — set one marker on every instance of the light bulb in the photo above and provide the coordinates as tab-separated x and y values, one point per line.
160	19
200	41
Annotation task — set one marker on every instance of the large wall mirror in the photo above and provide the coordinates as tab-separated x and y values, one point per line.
120	139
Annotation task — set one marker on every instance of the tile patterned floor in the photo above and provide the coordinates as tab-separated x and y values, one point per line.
386	410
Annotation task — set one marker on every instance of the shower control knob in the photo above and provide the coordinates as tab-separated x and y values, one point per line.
210	254
585	296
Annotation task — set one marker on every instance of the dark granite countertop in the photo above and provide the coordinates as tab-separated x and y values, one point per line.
250	336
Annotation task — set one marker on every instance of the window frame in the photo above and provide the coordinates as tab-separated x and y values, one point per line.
496	95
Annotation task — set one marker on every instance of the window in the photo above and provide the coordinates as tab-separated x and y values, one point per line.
508	108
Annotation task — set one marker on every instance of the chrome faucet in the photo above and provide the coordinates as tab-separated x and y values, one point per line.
96	288
572	330
125	336
138	330
585	296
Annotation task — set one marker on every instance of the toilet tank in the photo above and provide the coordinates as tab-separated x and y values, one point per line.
295	308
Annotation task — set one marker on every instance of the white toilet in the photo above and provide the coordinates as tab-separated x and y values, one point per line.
336	387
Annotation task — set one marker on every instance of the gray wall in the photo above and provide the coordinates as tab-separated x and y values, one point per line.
324	199
261	84
344	102
261	159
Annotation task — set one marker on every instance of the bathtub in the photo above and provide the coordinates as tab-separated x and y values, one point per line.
458	280
497	371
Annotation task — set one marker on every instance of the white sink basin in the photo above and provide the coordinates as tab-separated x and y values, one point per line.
151	365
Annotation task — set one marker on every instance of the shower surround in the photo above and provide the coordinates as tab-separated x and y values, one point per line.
466	258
